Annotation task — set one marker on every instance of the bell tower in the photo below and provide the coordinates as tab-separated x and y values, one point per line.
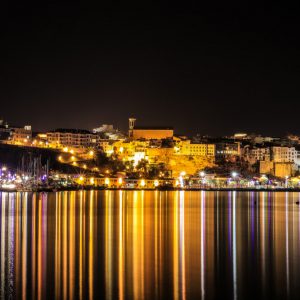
131	126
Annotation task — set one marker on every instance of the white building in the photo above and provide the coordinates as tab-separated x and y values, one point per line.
284	154
73	137
260	154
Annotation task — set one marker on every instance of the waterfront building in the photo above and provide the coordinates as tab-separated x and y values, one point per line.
186	147
227	150
284	154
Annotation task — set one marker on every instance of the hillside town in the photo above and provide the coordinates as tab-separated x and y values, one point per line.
151	157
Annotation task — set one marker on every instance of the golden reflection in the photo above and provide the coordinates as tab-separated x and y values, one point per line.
202	244
72	246
58	245
81	243
175	249
91	245
108	244
147	245
65	247
234	246
138	244
121	246
182	245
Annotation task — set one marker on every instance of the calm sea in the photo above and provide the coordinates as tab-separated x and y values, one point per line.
150	245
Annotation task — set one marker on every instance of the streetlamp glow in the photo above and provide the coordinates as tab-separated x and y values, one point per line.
234	174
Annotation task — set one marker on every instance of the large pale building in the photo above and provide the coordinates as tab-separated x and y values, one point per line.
72	137
284	154
187	148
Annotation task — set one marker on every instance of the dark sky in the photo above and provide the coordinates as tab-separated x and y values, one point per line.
208	69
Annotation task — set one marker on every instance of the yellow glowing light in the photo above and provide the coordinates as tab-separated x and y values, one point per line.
66	149
177	182
81	178
137	157
71	151
92	180
143	183
120	180
41	143
91	153
74	163
73	157
60	158
106	181
25	140
183	173
121	149
156	182
84	166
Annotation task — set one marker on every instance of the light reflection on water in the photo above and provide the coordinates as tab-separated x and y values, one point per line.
149	244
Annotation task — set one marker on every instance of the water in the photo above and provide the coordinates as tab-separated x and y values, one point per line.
150	245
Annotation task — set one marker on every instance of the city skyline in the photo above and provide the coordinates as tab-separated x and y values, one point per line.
200	68
141	125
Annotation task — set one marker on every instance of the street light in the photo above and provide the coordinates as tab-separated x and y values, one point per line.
181	181
234	174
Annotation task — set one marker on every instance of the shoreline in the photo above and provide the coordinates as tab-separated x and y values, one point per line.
154	190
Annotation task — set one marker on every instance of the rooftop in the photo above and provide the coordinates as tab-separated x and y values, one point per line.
69	130
153	128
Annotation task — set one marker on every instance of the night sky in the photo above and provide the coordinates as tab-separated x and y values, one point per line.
213	69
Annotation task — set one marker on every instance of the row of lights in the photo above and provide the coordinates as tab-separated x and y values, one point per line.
120	181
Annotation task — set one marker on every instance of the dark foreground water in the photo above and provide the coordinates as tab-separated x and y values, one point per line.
150	245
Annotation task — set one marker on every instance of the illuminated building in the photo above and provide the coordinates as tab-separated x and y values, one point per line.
226	150
22	134
284	154
72	137
149	133
186	147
